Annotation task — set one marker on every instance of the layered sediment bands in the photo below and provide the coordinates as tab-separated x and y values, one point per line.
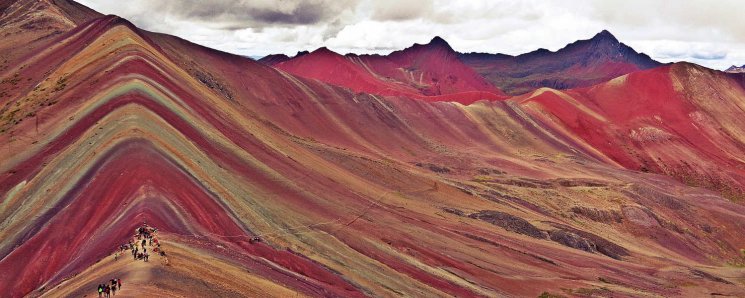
132	184
213	149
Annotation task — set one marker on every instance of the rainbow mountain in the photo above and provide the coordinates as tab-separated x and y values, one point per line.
265	183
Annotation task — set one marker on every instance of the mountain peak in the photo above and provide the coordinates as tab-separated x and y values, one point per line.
438	41
63	12
604	35
324	51
736	69
579	64
437	44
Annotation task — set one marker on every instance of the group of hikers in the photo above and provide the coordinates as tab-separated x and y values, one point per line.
144	236
109	288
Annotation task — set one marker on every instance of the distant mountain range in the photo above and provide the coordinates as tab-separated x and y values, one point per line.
736	69
579	64
429	71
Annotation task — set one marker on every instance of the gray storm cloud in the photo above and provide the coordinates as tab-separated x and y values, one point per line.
234	15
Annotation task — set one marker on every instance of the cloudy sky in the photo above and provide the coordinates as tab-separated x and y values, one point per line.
706	32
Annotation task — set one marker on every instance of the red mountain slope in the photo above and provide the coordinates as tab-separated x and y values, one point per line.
28	25
431	72
681	120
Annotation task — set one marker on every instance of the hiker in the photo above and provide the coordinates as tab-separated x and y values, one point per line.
113	286
119	283
100	290
107	291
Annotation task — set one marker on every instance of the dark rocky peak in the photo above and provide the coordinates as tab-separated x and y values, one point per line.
736	69
604	36
274	59
439	42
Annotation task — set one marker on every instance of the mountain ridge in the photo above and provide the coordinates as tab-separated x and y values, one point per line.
736	69
428	71
579	64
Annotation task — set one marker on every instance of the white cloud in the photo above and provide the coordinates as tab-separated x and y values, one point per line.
704	32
